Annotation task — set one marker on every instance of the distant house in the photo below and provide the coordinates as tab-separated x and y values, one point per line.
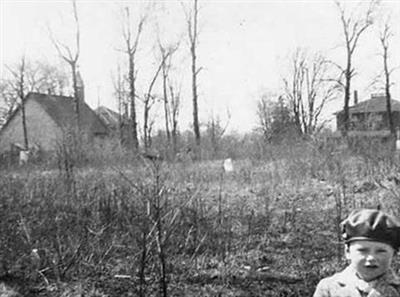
109	117
47	118
118	125
369	118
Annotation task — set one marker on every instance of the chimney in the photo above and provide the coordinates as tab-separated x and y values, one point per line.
355	97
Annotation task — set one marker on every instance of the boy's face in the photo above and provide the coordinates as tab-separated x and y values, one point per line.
370	259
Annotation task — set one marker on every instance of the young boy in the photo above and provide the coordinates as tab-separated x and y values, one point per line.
372	238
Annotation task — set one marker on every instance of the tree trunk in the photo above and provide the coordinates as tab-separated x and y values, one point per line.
120	109
145	123
195	101
26	144
132	95
346	119
174	118
76	96
347	89
21	96
388	96
193	47
165	94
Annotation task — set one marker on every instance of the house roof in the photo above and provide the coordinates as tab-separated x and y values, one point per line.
108	116
375	104
61	110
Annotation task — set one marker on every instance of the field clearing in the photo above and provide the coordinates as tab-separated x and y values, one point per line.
268	228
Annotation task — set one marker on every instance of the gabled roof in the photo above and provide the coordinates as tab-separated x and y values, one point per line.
108	116
375	104
61	110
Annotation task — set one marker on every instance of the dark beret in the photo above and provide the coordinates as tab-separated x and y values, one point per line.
371	224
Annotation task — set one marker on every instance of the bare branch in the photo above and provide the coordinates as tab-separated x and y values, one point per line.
353	28
77	33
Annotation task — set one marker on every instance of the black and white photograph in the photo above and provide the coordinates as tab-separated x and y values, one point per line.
217	148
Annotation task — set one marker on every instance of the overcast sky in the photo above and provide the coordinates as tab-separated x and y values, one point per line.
243	50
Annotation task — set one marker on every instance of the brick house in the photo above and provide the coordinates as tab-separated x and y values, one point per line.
47	118
369	118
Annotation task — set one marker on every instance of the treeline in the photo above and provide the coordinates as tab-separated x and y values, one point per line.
148	104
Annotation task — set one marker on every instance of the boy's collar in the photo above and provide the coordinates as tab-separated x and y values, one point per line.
349	276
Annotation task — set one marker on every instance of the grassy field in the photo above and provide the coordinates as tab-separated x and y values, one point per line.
269	228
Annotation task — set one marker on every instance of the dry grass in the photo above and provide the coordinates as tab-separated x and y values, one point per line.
267	228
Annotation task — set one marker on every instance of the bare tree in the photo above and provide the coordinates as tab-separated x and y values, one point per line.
39	77
216	131
263	117
149	100
132	45
9	95
166	56
71	56
353	29
308	89
25	77
384	38
19	87
275	118
121	95
52	79
174	107
165	71
193	34
8	102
